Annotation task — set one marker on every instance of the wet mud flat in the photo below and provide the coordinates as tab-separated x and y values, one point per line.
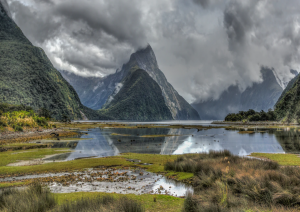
123	181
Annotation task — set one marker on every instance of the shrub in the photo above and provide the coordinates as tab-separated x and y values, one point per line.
33	199
190	203
102	203
17	128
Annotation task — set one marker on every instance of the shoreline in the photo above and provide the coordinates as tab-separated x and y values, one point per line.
33	134
260	123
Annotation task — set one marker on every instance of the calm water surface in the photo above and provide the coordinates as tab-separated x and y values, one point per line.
110	142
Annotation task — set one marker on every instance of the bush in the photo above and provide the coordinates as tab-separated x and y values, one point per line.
190	203
33	199
23	118
102	203
17	128
43	112
251	115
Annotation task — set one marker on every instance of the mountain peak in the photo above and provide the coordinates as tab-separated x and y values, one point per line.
145	58
4	8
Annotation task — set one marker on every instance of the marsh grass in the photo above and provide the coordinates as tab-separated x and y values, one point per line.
34	199
39	199
224	182
102	203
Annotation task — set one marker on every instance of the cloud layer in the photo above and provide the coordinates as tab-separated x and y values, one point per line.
202	46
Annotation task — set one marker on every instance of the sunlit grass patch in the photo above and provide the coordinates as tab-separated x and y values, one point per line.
11	184
282	159
246	132
163	202
157	163
14	156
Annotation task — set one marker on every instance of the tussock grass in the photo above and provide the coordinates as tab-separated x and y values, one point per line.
102	203
224	182
20	119
39	199
34	199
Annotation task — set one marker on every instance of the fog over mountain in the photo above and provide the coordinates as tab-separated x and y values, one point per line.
203	46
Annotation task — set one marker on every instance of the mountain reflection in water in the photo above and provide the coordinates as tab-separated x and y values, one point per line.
110	142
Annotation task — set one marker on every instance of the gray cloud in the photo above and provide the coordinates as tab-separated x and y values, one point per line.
202	46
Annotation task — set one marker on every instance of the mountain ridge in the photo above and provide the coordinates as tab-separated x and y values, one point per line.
28	77
261	96
106	88
140	98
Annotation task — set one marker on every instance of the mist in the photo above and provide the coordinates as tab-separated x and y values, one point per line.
202	46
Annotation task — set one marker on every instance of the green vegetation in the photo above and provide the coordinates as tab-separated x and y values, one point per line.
34	199
17	117
281	159
14	156
287	108
157	162
224	182
29	78
140	98
251	115
39	199
163	202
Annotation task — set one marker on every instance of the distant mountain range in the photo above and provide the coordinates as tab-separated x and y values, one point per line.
261	96
97	93
137	91
29	78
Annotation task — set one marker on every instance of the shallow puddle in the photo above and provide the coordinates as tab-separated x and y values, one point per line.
109	181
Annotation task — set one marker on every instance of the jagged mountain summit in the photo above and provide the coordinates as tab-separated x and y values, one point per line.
261	96
29	78
97	94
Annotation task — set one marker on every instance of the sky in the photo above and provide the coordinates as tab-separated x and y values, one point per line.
202	46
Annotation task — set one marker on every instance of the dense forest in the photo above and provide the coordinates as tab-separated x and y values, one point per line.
252	115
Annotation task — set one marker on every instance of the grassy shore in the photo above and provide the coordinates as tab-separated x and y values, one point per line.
157	162
37	198
163	202
281	159
224	182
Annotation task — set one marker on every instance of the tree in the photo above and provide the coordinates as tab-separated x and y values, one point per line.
65	118
43	112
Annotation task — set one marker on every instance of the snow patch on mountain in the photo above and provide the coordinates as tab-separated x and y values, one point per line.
280	82
118	87
284	82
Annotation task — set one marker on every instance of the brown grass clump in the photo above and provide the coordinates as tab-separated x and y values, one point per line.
34	199
39	199
224	182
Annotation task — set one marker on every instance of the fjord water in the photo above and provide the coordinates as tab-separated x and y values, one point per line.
112	141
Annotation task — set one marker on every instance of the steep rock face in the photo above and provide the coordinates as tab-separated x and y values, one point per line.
140	98
287	108
289	86
179	107
94	91
261	96
97	93
29	78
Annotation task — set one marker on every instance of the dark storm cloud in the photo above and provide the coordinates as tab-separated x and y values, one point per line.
93	36
202	46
